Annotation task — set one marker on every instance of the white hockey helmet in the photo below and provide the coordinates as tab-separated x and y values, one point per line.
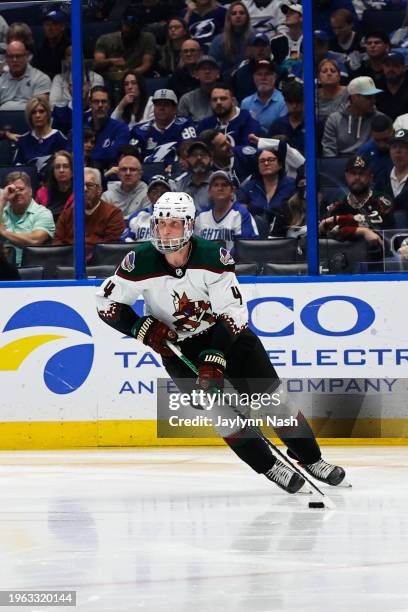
172	205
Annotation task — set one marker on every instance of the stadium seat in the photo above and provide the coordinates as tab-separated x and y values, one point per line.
111	254
153	84
332	194
10	253
250	269
262	225
283	269
35	273
48	256
385	21
6	153
14	121
330	171
401	218
32	15
277	250
150	170
337	257
66	272
30	170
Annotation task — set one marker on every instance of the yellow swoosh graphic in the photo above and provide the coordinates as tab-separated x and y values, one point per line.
13	354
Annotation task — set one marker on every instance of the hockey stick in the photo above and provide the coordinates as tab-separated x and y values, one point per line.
328	502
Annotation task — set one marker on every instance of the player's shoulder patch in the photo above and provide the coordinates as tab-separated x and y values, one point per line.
128	263
141	261
225	257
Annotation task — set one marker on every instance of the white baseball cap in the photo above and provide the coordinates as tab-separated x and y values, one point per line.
363	85
297	8
165	94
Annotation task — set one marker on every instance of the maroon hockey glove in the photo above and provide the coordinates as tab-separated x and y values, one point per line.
211	370
154	333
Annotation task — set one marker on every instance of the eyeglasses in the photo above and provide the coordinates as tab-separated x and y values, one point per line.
100	102
190	51
91	185
268	160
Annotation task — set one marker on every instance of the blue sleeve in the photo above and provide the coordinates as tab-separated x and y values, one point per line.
62	141
247	228
19	157
216	51
246	102
122	135
205	124
253	127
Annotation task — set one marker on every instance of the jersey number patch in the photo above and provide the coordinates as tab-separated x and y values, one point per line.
237	294
108	289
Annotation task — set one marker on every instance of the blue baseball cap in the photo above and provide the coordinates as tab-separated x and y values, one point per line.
56	16
321	35
259	38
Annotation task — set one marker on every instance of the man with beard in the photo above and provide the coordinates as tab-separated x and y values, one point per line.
157	140
196	180
128	49
362	213
267	103
228	118
393	100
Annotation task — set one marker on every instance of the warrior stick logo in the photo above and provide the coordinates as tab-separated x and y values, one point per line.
67	369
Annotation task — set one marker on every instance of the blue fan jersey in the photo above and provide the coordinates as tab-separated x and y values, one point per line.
113	134
160	145
34	150
237	130
204	28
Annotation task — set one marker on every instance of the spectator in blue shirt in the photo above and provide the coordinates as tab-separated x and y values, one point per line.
37	146
267	104
228	118
269	188
110	133
292	125
377	149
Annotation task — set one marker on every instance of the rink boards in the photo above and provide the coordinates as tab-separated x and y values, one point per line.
67	380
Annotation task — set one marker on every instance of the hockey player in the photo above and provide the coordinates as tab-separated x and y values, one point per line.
213	334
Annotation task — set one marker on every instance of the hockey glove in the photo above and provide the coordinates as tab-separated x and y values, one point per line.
211	370
154	333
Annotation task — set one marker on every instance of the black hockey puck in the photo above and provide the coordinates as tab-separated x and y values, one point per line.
316	505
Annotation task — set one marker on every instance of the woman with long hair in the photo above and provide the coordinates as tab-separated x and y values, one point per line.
57	193
331	96
132	106
228	48
176	34
37	146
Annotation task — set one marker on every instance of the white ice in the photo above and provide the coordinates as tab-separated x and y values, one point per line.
195	530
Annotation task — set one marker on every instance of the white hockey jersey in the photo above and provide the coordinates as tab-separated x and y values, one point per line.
190	299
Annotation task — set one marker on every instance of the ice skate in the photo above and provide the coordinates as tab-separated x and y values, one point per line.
285	477
325	472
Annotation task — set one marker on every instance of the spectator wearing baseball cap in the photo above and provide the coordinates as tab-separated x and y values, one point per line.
267	104
258	48
287	46
50	54
347	130
128	49
157	139
393	100
395	182
196	104
377	45
228	47
362	212
196	180
224	219
138	224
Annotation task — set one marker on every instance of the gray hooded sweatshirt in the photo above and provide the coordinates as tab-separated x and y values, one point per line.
344	133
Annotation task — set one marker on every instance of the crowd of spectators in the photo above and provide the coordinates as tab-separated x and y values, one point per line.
206	97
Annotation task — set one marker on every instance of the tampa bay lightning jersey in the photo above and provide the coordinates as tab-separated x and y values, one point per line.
204	28
237	130
138	226
34	150
160	145
237	223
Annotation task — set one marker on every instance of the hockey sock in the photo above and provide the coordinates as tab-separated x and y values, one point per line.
300	441
253	450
